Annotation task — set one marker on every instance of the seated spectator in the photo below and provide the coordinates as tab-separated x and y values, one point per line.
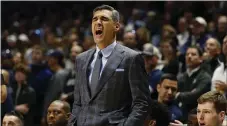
170	59
6	94
23	95
219	79
167	89
193	83
199	36
13	118
67	93
151	58
57	81
183	35
211	110
130	40
58	113
75	50
158	115
38	79
213	50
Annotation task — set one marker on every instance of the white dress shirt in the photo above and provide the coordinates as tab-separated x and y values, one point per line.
106	52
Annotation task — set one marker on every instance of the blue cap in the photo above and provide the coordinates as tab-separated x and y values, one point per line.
55	53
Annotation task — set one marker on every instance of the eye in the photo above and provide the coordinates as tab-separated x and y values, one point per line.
94	19
207	112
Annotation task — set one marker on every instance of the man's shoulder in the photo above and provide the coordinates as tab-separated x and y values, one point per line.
128	52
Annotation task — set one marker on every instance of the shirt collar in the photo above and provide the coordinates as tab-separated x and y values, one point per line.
192	71
108	50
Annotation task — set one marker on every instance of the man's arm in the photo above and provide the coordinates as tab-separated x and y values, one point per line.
138	80
202	87
77	100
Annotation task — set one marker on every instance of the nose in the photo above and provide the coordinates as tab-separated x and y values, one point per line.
170	91
99	22
51	116
201	116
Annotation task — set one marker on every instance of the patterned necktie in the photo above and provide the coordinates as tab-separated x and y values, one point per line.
96	73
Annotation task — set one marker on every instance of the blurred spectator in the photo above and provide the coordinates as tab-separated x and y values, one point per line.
199	35
39	79
158	115
57	81
219	79
6	93
168	32
135	21
151	60
170	59
58	113
75	50
67	93
167	89
130	40
88	43
211	27
23	95
194	82
18	58
212	52
221	28
143	37
13	118
183	35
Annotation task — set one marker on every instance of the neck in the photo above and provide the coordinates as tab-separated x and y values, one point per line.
160	100
56	68
103	45
192	68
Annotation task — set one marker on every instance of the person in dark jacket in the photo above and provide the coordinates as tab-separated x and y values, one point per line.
23	95
194	82
38	79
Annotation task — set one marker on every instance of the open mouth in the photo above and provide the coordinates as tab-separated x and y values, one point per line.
202	124
98	32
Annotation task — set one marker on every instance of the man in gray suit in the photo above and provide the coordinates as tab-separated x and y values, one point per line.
111	85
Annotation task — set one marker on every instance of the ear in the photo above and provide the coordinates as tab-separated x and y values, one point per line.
222	115
68	115
117	26
158	87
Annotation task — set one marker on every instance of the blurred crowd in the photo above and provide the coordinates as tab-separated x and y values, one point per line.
185	42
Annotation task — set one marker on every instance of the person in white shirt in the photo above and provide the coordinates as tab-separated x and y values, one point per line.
219	79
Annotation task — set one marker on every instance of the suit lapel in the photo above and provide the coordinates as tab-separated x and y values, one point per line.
86	71
110	67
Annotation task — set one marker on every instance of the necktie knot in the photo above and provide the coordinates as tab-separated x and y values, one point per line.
100	54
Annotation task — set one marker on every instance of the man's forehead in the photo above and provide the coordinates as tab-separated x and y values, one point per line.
103	12
11	118
206	105
170	82
56	106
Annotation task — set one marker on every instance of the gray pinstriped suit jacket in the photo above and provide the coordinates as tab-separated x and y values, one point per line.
122	97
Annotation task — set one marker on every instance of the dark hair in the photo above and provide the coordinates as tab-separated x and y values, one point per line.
16	114
216	98
168	76
115	13
160	113
22	68
198	49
